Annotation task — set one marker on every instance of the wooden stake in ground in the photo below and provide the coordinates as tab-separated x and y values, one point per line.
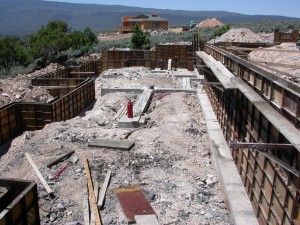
91	191
103	189
38	173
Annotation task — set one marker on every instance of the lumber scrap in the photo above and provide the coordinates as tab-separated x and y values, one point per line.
82	72
119	113
262	49
38	173
86	207
133	202
280	65
146	220
96	190
92	198
261	149
103	189
273	146
114	144
149	125
60	158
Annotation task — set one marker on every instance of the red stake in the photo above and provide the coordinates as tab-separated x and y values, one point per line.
59	172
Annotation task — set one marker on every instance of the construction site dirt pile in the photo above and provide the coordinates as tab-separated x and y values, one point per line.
243	35
288	58
19	88
210	22
171	161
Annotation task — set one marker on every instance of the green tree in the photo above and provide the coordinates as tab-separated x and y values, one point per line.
12	53
91	35
79	39
50	40
83	39
222	30
139	39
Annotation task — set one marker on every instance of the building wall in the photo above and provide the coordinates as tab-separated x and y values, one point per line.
147	25
151	25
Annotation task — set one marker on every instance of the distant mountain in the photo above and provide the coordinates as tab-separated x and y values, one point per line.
23	17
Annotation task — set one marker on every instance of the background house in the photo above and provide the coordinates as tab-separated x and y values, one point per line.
145	22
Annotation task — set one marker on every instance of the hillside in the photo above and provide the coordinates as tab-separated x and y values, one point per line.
19	17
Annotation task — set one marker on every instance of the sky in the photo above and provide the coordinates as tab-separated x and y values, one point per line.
249	7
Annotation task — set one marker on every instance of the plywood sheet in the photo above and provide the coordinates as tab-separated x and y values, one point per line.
133	202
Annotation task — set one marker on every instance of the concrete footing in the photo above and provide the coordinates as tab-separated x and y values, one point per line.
134	122
239	204
143	102
105	91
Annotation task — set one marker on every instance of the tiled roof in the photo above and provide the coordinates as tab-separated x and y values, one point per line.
150	18
125	18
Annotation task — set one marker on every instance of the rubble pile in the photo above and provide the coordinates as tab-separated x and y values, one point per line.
210	22
19	88
288	58
240	35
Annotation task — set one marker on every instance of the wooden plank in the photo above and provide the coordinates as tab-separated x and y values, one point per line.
279	162
218	72
86	207
91	192
38	173
261	145
82	72
280	65
133	202
103	189
96	190
262	49
146	220
60	158
114	144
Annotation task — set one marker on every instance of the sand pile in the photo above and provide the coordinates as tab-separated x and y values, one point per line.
210	22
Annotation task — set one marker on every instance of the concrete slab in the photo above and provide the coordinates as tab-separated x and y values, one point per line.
186	83
157	70
161	90
192	76
169	64
110	76
105	91
134	122
115	144
141	105
239	204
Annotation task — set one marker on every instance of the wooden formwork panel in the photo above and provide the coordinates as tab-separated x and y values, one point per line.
21	206
9	123
273	191
56	81
34	116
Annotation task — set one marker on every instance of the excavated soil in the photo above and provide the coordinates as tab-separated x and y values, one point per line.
288	58
19	88
243	35
210	22
170	161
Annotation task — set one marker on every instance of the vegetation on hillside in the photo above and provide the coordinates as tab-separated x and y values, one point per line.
269	26
56	42
45	46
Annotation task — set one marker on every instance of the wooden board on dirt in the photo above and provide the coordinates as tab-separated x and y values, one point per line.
114	144
133	202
